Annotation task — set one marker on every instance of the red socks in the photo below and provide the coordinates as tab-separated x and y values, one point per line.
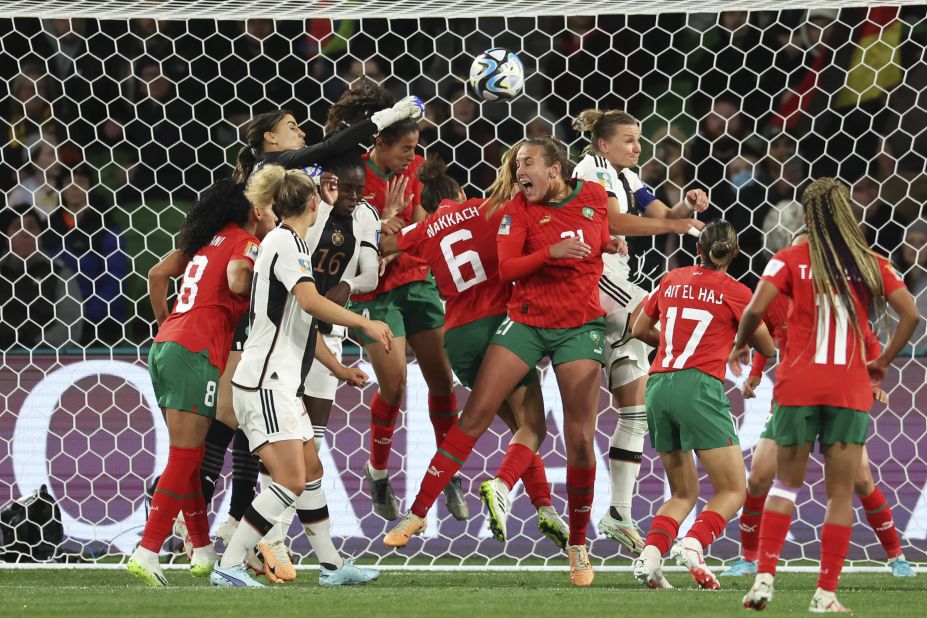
517	459
451	455
773	530
536	485
443	412
663	531
879	515
194	509
707	528
835	542
383	417
750	525
580	484
179	478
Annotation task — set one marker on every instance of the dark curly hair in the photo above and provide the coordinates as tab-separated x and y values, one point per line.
360	101
436	184
221	203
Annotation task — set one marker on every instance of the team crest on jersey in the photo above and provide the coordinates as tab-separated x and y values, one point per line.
305	265
252	251
595	336
506	225
544	220
337	238
588	212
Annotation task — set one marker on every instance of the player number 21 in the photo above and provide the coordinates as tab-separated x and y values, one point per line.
572	234
688	313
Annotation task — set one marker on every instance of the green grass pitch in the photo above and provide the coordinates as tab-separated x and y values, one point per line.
473	594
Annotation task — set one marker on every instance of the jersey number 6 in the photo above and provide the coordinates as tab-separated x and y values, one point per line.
456	262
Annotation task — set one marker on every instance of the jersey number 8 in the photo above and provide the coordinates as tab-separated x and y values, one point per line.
186	296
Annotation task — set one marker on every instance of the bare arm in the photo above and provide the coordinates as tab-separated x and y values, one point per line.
903	304
239	274
159	277
694	201
747	330
645	329
325	310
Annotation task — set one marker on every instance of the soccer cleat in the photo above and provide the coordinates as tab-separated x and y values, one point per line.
625	532
409	526
552	526
348	575
278	566
825	602
901	567
688	553
226	529
144	565
203	560
233	577
648	569
738	568
385	502
580	568
455	500
495	495
760	593
180	531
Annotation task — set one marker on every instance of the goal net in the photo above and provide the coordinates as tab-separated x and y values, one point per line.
114	124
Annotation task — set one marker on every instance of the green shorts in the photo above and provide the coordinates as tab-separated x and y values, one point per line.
466	345
183	380
823	424
563	345
409	309
687	410
768	429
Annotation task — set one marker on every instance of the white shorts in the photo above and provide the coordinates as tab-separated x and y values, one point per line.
320	382
627	358
268	416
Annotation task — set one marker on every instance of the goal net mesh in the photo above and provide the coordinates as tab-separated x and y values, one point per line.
113	125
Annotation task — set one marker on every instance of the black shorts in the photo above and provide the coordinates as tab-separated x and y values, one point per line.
241	334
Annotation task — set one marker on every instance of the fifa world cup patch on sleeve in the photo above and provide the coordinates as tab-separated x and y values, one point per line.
252	250
588	212
506	225
773	267
305	264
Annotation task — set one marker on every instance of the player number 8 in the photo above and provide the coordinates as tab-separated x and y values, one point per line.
186	296
210	399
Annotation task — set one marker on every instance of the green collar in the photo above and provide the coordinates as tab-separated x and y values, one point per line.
376	170
567	199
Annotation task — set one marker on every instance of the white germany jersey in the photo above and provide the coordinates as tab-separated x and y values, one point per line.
280	346
622	186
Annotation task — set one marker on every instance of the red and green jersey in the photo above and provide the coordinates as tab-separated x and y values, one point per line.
206	311
459	243
404	269
822	363
563	293
699	310
775	318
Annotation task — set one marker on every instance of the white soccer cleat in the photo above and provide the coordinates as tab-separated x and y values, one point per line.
495	495
203	560
144	565
648	569
181	532
825	602
553	527
688	553
625	532
760	593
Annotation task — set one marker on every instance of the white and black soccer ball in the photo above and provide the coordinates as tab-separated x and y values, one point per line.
497	74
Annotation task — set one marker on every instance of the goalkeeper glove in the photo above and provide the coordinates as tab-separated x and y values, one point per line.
409	107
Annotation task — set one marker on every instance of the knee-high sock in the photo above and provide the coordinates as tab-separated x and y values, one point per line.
451	455
383	417
580	493
194	509
217	443
663	531
706	528
442	409
536	485
312	510
517	459
244	476
257	522
168	496
750	525
774	528
879	516
835	542
318	436
626	448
